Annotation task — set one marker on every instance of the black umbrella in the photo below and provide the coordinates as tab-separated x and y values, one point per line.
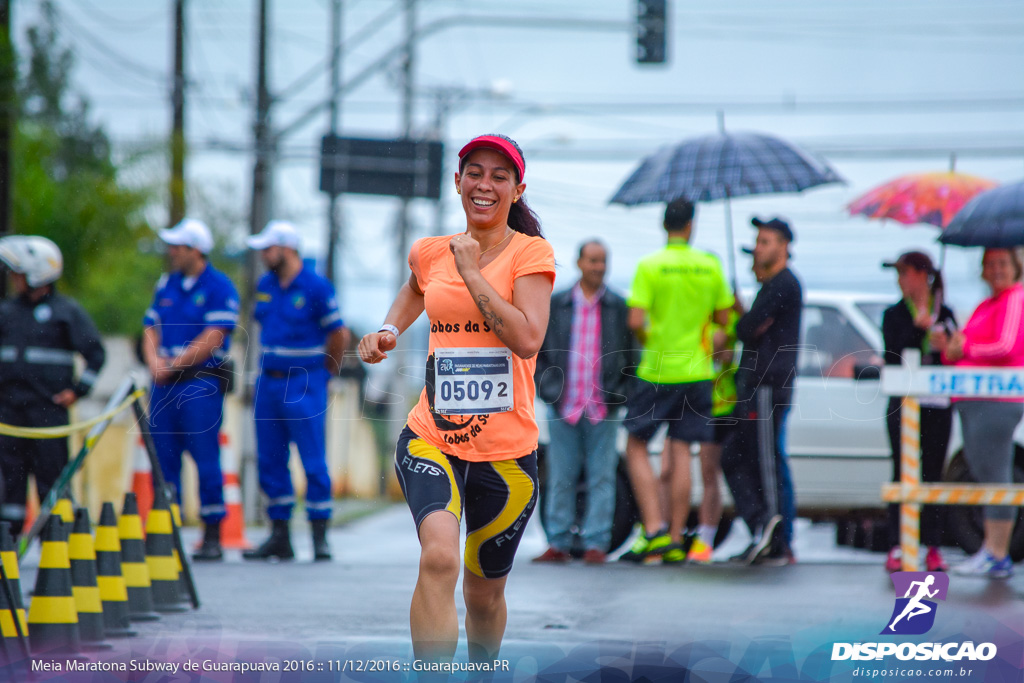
723	166
994	218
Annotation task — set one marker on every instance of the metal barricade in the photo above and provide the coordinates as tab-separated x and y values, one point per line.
914	381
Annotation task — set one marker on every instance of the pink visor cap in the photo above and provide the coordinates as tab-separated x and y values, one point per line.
499	143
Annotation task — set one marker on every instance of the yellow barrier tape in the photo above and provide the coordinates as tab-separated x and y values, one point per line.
67	430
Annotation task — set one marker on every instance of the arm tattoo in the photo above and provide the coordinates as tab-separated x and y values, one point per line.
489	315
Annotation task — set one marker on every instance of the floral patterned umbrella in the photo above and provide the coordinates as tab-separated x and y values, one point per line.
921	197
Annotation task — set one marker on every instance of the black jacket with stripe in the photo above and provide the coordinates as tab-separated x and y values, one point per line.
38	343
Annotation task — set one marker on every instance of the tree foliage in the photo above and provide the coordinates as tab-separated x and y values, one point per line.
67	188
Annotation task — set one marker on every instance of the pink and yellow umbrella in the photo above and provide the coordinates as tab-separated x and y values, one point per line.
920	197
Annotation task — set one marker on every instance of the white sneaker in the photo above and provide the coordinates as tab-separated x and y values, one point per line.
983	563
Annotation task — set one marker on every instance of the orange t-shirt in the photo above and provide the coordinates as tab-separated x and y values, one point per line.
456	322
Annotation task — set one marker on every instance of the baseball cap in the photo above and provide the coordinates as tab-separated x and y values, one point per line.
777	224
914	259
189	233
276	234
500	143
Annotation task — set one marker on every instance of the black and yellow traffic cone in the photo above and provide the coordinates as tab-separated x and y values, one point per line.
65	510
133	562
9	556
13	626
83	581
113	593
52	617
160	556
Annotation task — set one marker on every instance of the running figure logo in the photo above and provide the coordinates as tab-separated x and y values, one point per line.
914	612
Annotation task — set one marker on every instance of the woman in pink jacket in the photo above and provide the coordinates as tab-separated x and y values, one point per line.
994	336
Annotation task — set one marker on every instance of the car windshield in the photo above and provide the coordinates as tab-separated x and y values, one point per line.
874	311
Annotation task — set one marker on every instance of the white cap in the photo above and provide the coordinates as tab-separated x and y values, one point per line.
189	233
276	234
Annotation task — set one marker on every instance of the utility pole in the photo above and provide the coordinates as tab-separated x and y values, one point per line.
398	408
334	238
407	122
261	172
258	215
177	188
8	111
444	99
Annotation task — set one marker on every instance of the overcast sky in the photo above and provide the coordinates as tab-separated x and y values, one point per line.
865	82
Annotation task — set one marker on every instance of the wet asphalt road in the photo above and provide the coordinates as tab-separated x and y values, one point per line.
360	600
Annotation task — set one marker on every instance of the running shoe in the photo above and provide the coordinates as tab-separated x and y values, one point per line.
637	550
744	556
674	554
984	564
700	552
934	562
594	556
776	557
554	556
658	547
763	545
894	560
644	544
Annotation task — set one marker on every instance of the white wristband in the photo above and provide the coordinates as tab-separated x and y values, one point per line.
389	328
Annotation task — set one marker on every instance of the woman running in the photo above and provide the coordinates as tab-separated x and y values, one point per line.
470	443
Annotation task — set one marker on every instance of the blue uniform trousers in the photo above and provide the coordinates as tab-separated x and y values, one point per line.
187	416
293	408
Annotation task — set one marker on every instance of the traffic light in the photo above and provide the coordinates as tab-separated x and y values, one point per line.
650	31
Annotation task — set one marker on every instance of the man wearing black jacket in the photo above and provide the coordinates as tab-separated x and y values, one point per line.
582	373
40	333
753	461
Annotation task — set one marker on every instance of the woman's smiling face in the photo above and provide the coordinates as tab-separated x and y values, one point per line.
488	185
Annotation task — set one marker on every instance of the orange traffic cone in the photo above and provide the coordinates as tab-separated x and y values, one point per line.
232	528
142	479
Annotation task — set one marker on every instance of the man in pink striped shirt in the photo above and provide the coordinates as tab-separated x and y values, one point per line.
581	373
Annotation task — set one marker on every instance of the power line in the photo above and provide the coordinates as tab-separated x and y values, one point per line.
116	58
120	23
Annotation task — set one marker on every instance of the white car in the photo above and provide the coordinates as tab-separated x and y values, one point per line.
836	436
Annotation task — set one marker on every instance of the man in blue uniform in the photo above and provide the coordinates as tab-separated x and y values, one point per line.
303	342
187	336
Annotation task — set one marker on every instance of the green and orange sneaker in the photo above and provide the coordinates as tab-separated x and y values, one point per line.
700	552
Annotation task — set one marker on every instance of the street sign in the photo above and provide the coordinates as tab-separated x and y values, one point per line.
397	168
963	382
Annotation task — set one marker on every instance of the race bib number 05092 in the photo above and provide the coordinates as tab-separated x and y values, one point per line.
474	381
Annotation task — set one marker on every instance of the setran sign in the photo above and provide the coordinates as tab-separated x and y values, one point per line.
961	382
396	168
